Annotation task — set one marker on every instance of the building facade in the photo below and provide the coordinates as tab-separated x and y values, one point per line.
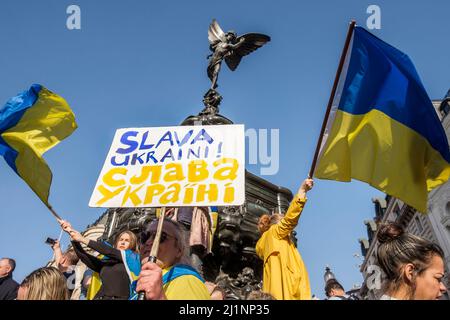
434	226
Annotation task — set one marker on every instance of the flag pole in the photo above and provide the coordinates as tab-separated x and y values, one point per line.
53	212
155	246
351	27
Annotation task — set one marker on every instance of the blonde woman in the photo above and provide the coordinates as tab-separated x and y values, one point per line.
118	268
44	284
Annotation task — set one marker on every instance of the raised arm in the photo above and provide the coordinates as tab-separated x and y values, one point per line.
104	249
288	223
57	251
91	262
97	246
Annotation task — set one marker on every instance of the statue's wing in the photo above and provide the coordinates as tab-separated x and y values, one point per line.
215	33
252	41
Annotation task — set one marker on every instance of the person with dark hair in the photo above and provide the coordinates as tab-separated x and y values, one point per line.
285	276
172	277
413	266
8	287
119	267
64	261
335	291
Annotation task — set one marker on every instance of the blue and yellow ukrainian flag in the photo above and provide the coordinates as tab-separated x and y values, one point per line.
30	124
132	262
383	128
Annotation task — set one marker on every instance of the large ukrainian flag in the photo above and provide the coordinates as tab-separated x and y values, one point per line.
383	128
30	124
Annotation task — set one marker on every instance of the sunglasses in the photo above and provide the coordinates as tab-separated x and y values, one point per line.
150	235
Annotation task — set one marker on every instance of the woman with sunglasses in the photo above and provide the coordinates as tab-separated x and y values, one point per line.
172	277
118	268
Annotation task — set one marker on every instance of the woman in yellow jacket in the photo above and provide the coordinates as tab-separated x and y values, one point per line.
285	275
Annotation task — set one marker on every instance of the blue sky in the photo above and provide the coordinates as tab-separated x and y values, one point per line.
143	63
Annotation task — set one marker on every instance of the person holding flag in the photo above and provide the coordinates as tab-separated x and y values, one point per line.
118	269
285	276
380	126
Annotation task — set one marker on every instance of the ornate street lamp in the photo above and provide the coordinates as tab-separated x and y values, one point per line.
328	275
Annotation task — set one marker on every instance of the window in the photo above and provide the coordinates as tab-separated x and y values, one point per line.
444	108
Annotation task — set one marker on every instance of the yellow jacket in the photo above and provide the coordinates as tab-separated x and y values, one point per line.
285	275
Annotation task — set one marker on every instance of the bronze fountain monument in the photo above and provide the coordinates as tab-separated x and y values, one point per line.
232	263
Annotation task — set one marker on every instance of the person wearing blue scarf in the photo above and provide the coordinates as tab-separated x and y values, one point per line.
171	277
118	268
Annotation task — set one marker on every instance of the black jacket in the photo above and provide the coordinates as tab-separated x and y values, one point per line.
8	288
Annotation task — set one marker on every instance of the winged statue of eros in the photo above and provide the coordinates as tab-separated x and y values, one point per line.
228	46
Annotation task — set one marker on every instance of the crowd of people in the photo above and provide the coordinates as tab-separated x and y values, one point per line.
413	266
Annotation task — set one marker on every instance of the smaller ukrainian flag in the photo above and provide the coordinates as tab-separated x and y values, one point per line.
31	123
383	128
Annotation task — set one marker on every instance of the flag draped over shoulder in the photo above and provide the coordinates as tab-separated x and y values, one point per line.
383	128
31	123
132	262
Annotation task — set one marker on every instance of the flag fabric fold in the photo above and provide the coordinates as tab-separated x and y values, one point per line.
383	128
31	123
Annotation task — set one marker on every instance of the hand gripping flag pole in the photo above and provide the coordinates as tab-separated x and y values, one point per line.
155	246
